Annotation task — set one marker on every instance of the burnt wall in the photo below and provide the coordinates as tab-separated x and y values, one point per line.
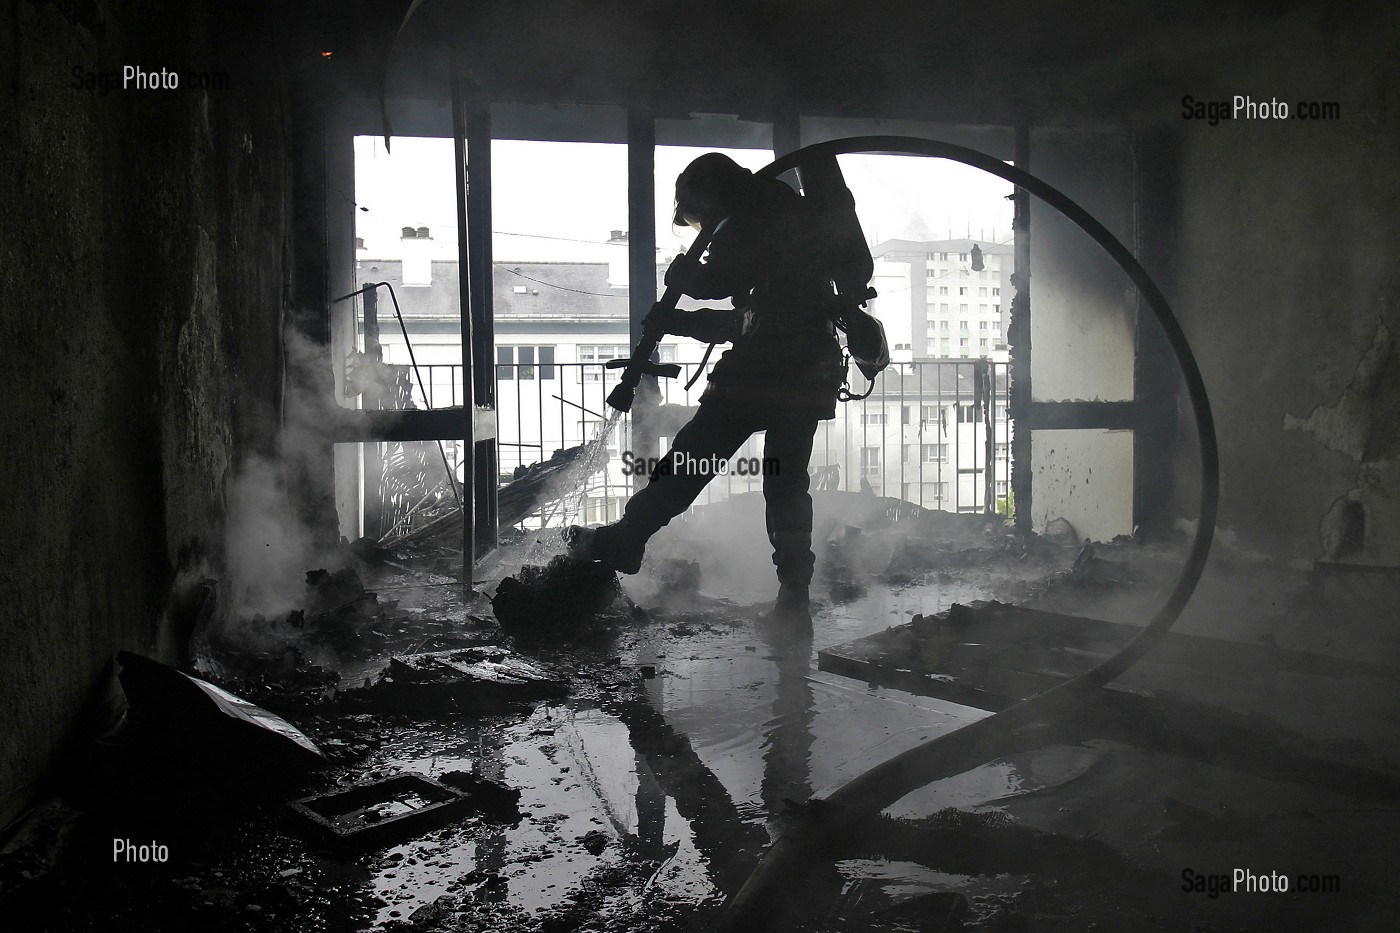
1287	279
142	286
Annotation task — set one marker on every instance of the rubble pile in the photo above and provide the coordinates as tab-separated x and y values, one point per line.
565	594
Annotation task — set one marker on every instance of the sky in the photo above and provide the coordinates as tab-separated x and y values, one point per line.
554	199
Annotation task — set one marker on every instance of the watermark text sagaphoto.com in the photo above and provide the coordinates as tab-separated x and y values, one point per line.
138	78
690	465
1245	107
1245	881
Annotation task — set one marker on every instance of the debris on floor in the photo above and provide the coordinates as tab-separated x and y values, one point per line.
464	679
491	799
382	812
565	596
567	762
206	724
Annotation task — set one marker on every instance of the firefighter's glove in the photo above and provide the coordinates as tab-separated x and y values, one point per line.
661	321
679	267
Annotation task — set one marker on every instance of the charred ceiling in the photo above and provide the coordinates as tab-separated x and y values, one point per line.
1102	63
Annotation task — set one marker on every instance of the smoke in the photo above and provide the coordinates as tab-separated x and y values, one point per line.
267	550
268	543
859	540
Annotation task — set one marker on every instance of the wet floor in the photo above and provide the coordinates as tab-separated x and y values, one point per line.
649	789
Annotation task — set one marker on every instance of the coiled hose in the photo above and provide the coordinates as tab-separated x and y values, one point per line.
759	904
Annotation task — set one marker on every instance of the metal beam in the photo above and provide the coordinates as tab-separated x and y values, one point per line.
1018	337
641	219
477	112
464	418
1068	416
641	270
371	460
437	424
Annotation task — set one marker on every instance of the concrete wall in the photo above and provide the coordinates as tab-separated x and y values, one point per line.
1083	331
141	281
1287	280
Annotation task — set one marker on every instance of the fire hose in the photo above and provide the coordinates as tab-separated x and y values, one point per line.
759	904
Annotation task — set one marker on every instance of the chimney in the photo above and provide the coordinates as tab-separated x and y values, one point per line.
416	247
619	259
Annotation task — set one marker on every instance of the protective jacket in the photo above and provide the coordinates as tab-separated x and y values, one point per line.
785	352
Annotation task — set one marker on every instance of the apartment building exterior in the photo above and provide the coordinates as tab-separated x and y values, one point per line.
936	303
926	432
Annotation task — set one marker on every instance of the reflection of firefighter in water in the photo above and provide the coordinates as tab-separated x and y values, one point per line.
781	376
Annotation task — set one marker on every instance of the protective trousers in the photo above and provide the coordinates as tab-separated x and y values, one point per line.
714	435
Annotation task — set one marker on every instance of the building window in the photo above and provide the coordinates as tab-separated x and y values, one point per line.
982	309
962	309
962	326
935	453
943	325
870	461
602	509
996	291
1003	487
982	343
872	417
931	414
982	325
590	353
962	290
1001	412
1001	451
940	491
904	414
526	363
982	292
996	309
967	413
962	257
943	308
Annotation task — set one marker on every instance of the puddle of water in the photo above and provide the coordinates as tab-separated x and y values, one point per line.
905	880
999	781
576	773
761	727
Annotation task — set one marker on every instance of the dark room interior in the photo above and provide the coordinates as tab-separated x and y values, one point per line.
1103	617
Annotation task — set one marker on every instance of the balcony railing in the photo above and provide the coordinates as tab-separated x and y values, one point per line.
927	433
